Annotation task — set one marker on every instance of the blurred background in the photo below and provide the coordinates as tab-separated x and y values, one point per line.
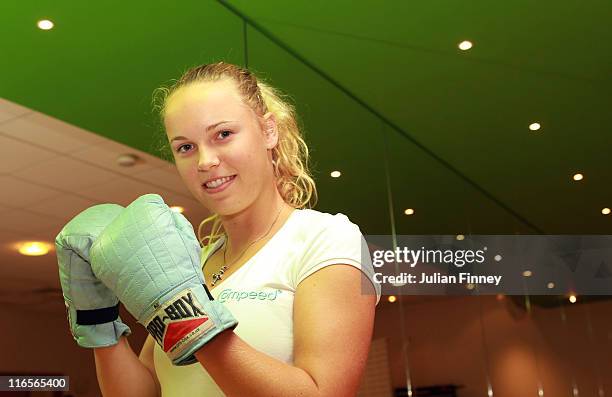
442	117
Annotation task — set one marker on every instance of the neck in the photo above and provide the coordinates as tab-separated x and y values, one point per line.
265	215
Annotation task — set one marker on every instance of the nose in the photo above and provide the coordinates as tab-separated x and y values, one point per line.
207	160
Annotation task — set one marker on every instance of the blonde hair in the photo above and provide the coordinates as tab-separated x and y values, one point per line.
290	156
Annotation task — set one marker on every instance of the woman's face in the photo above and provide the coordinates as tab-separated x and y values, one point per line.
213	134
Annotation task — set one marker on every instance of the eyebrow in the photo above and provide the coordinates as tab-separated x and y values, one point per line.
210	127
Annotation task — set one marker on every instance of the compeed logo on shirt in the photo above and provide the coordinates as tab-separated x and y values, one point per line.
229	294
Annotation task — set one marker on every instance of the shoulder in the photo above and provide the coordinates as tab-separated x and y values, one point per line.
326	240
321	230
313	222
322	234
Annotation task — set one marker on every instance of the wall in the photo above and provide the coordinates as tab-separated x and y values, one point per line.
462	340
36	339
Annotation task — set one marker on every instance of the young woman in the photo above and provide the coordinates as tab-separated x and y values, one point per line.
294	278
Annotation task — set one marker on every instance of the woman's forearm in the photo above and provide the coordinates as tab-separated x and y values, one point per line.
121	373
241	370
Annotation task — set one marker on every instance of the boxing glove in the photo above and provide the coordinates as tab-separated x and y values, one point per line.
93	309
150	257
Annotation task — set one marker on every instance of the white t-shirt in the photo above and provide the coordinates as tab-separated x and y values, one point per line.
260	293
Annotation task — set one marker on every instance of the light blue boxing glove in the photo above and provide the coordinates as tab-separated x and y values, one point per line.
150	257
93	309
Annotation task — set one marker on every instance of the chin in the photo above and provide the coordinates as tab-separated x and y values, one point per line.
221	210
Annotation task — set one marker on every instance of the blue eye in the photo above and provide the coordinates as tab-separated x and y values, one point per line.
179	149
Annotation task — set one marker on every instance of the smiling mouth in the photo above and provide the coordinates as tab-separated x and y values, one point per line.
218	183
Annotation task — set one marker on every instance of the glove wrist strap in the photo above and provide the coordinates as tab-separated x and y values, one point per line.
97	316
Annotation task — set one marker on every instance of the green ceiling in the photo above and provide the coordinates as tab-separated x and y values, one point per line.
379	86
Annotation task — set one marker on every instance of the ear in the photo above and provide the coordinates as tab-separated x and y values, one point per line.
270	130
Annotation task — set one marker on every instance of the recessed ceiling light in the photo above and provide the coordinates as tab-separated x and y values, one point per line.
178	209
460	237
409	211
34	248
335	174
45	24
578	177
534	126
606	211
465	45
572	298
127	159
392	298
527	273
550	285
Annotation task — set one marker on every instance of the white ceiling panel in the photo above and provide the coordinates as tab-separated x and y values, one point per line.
46	234
166	177
105	155
65	206
22	221
19	193
118	147
49	133
52	171
121	191
66	174
9	110
17	154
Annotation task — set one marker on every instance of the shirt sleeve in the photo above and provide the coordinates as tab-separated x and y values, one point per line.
339	241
